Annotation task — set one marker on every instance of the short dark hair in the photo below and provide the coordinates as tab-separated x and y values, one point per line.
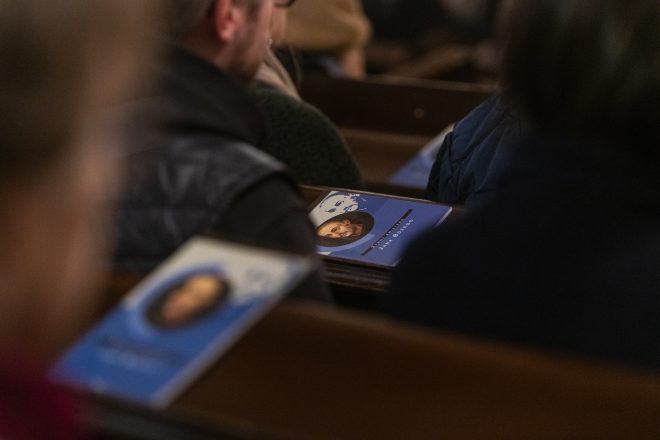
589	66
363	218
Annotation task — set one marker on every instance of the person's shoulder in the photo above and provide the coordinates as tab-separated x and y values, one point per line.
204	170
278	105
487	117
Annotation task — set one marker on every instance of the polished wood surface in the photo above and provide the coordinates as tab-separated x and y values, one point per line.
308	372
394	105
379	155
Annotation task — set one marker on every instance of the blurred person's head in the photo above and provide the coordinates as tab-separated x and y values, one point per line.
232	34
586	66
61	62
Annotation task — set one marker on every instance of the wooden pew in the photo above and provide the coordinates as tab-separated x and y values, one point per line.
393	105
387	120
309	372
314	372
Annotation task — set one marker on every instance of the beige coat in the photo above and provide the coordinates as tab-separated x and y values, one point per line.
332	26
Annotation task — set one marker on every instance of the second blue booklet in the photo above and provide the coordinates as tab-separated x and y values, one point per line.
371	228
172	326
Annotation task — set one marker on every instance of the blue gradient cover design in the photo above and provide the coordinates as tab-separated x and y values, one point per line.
140	353
387	225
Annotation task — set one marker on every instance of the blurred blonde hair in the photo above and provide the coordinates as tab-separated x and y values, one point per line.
58	58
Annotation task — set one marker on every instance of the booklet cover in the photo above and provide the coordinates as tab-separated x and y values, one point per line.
371	228
179	320
415	173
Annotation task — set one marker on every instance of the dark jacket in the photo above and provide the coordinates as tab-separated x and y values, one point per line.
566	255
192	168
471	155
306	141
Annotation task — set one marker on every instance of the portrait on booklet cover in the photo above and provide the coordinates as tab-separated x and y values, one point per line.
196	296
193	308
371	228
344	229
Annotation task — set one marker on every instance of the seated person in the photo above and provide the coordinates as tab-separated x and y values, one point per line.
333	33
56	171
564	254
303	138
193	165
300	135
474	152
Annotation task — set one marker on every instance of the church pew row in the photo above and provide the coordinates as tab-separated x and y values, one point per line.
393	105
311	372
314	372
387	120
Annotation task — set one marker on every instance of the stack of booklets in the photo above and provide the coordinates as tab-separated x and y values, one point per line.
177	322
362	236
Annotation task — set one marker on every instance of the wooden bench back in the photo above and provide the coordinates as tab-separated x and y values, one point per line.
394	105
308	372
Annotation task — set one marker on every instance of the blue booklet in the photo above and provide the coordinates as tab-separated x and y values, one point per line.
415	173
371	228
179	320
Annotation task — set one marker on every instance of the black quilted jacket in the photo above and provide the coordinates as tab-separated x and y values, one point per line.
192	168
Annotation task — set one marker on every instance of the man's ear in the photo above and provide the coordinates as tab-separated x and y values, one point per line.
227	20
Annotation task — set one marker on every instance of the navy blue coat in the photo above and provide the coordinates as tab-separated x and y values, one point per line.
472	156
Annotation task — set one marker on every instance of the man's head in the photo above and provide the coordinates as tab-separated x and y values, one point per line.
232	34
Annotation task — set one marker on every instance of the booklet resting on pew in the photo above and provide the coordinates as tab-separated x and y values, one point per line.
373	229
415	173
172	326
